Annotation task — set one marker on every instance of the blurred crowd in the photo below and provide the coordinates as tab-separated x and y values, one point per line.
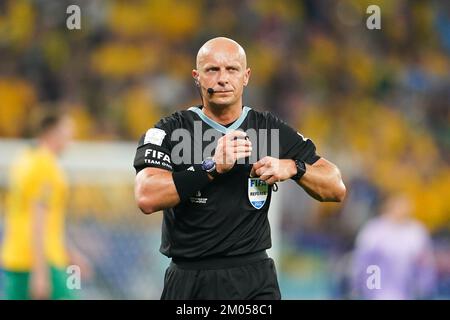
376	102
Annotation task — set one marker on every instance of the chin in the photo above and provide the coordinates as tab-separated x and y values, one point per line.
222	102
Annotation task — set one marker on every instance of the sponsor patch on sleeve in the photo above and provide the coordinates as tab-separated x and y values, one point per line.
152	156
154	136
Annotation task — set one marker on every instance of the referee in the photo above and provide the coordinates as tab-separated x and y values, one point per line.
212	169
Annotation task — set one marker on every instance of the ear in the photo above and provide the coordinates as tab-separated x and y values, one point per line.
247	76
195	75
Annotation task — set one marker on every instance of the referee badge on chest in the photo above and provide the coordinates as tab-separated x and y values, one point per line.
258	190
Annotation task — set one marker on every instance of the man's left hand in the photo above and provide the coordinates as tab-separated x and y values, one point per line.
273	170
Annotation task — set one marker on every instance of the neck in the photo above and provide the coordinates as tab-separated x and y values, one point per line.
47	145
223	114
398	219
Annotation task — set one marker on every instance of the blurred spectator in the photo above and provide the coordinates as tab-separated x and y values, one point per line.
34	252
400	248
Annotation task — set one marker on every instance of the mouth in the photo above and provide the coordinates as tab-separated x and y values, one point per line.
223	91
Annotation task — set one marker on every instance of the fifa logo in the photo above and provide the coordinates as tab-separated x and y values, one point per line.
257	183
157	154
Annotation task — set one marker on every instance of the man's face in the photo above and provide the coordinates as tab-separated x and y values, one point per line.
223	68
62	134
399	208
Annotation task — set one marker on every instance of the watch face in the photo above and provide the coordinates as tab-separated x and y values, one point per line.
208	164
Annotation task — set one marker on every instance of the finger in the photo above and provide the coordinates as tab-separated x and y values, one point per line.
257	165
235	143
241	149
240	142
265	177
272	180
265	170
266	161
235	134
241	155
252	173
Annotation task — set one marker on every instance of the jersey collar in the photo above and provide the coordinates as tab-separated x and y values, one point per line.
217	125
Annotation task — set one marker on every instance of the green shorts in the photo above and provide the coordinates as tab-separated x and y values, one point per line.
17	285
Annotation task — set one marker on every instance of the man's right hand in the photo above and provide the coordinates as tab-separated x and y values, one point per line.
230	148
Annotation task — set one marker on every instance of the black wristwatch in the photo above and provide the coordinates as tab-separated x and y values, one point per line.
209	165
301	170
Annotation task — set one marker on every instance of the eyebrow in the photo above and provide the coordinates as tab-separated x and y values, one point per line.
213	66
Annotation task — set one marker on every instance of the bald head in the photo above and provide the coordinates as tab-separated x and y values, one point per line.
221	47
222	66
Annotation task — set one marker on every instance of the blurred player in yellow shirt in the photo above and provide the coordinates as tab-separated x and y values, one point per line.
34	253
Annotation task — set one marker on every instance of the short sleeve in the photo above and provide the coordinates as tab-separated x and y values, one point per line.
35	184
293	145
154	148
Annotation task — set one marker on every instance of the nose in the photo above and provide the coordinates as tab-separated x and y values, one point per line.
223	78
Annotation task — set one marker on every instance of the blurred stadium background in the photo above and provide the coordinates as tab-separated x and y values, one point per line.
376	102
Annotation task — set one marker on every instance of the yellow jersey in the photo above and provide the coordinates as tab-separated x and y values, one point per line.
35	179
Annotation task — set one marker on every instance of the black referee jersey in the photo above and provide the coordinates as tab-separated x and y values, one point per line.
229	216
